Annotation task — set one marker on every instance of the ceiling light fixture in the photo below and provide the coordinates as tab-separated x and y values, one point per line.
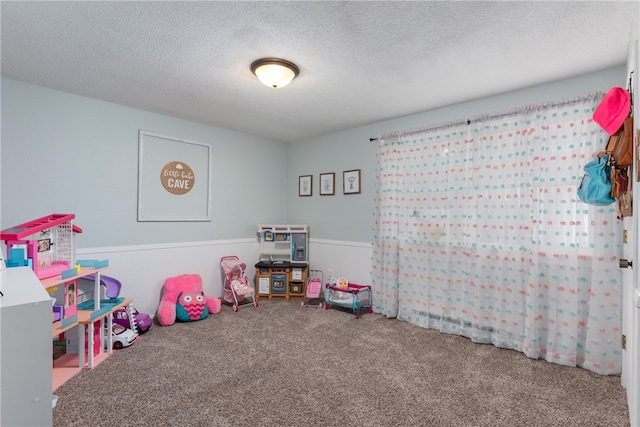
274	72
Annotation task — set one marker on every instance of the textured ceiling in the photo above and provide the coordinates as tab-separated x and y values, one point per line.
360	62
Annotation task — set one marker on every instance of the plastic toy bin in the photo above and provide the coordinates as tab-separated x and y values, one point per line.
354	297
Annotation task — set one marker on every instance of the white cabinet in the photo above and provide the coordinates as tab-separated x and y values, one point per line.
26	350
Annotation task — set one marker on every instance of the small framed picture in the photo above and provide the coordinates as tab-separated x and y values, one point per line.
351	182
327	186
305	185
44	245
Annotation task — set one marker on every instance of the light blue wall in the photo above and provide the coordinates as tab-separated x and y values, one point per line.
350	217
63	153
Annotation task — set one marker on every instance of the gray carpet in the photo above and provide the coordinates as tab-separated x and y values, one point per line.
282	365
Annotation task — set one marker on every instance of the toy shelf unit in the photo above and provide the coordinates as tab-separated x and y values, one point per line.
284	280
284	243
282	269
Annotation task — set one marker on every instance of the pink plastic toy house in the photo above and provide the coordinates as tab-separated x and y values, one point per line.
45	244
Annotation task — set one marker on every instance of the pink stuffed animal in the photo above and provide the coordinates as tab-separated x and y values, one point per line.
184	299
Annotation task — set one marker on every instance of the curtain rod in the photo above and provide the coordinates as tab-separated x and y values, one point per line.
482	117
434	127
438	126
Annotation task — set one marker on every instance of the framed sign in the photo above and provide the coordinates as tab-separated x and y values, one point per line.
327	186
174	179
351	182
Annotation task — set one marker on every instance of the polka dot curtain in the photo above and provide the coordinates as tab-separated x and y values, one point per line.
479	232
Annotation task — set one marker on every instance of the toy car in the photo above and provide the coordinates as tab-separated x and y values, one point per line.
121	336
142	321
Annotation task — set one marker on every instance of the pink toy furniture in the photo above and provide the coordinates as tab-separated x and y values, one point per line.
48	241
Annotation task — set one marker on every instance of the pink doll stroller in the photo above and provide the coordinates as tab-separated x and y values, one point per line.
313	292
237	290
